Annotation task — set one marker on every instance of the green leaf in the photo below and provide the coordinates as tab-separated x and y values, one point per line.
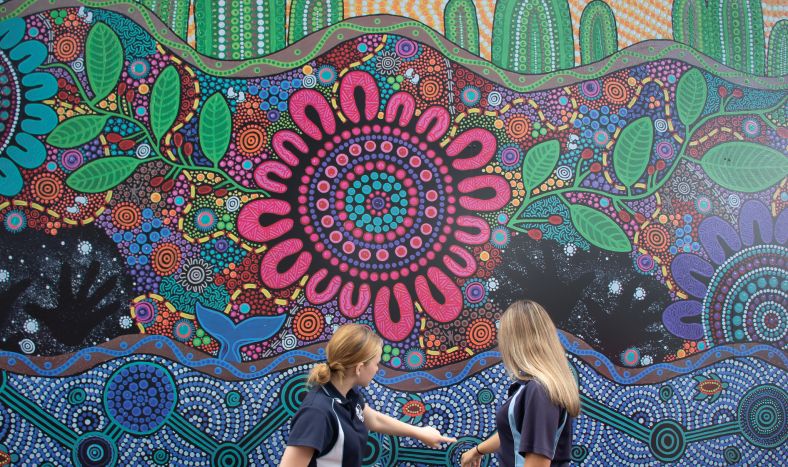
633	150
745	167
215	127
691	96
599	229
103	60
539	163
102	174
76	131
165	100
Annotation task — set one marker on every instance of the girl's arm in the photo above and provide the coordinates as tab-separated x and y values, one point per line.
533	459
473	457
381	423
297	456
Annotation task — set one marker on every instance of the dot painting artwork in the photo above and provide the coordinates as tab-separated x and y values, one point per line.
196	194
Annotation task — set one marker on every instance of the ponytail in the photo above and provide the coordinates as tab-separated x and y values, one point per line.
350	345
320	374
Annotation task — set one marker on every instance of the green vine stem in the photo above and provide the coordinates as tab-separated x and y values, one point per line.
653	186
177	166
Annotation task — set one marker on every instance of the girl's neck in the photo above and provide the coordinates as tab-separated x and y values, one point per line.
343	385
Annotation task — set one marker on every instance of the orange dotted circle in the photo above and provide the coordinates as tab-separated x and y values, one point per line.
126	216
308	324
47	188
251	139
481	333
165	259
518	127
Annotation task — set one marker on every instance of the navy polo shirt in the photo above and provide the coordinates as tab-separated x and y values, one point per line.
538	422
333	425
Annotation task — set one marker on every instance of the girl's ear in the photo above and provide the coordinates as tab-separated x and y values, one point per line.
358	368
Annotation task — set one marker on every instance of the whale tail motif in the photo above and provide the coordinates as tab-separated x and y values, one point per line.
232	336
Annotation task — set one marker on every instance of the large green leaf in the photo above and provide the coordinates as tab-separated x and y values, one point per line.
215	127
102	174
633	150
599	229
691	96
103	60
165	100
744	166
539	163
77	131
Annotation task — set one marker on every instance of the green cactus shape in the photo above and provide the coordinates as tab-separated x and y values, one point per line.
532	36
308	16
778	49
740	34
598	33
694	25
238	29
461	24
174	14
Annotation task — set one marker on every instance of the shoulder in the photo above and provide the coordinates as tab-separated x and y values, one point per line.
535	398
315	402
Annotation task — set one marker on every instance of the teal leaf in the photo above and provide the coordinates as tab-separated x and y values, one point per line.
633	150
539	163
102	174
39	86
165	101
28	152
103	60
215	127
744	166
599	229
77	131
39	119
10	178
691	96
29	55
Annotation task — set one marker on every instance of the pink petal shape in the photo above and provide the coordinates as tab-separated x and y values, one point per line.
452	297
469	262
328	292
346	305
347	95
486	144
403	101
272	167
269	266
439	118
392	331
463	236
251	228
287	136
298	104
501	187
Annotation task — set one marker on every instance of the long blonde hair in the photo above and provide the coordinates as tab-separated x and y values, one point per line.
350	345
529	345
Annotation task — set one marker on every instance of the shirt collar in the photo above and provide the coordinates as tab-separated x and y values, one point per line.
332	391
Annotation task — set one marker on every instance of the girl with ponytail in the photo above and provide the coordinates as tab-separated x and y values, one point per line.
331	426
534	424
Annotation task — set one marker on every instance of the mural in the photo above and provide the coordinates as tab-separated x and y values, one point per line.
194	195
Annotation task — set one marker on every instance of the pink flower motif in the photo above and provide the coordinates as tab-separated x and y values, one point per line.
378	209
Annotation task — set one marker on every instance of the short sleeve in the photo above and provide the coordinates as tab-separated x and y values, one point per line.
541	419
312	428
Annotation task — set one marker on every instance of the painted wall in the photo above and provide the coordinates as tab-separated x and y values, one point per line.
182	234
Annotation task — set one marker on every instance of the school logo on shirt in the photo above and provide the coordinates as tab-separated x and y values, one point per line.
359	413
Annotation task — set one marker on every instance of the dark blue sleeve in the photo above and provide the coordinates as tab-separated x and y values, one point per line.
312	428
541	419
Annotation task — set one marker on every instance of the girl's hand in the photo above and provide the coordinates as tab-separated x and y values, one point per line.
433	438
471	458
